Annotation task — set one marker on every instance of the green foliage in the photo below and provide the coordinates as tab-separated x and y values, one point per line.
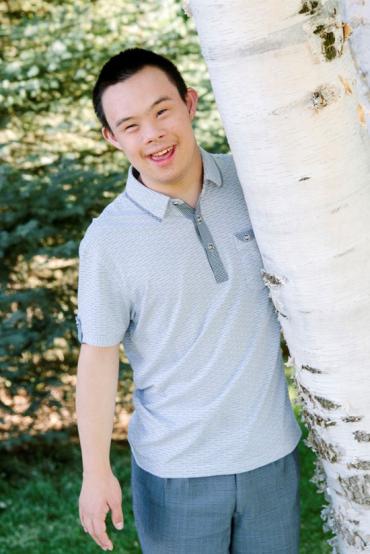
57	172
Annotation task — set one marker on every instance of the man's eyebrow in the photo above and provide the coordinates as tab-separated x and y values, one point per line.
161	99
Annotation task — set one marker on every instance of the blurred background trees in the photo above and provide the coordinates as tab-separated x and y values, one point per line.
57	173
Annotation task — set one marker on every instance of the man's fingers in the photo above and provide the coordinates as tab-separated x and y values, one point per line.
90	530
95	526
100	535
117	516
82	522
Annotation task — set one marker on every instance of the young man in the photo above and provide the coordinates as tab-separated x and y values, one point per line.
172	269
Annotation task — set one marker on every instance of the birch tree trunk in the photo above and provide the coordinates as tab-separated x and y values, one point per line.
286	88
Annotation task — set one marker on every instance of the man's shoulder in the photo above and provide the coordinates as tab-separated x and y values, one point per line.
224	160
225	163
108	226
225	157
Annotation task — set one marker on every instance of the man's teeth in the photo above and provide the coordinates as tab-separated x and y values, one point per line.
162	152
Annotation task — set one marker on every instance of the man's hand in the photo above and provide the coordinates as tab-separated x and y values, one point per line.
99	494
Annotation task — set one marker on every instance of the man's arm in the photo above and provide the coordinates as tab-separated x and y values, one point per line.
97	378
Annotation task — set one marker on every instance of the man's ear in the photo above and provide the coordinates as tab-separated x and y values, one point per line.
109	137
191	101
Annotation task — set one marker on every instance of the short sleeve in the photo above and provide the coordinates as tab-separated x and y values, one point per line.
103	314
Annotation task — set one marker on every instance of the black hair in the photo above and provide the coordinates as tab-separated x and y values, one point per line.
125	64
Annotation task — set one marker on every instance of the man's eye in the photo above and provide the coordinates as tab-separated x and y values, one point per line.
162	111
130	127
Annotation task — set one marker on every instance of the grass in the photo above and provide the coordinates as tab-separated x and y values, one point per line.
39	492
313	539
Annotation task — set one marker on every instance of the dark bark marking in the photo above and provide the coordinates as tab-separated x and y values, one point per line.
316	419
332	35
319	29
362	436
324	96
324	402
352	419
327	404
329	45
322	448
356	488
359	464
309	7
305	392
271	280
311	369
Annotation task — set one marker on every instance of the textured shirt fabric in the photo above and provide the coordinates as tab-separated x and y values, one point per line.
182	288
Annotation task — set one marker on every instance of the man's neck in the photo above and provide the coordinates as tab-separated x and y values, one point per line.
189	191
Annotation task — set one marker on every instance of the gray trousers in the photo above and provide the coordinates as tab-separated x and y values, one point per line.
255	512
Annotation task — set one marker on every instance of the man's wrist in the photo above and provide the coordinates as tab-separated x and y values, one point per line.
93	471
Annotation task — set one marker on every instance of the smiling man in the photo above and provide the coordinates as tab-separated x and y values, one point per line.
171	268
168	162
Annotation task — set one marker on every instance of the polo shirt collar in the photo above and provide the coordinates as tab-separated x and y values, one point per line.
155	202
212	173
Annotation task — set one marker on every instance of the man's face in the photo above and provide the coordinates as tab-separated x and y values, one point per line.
151	124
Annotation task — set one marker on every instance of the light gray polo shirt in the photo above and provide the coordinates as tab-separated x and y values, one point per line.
182	288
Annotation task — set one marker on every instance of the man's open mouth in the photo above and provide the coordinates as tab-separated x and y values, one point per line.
163	155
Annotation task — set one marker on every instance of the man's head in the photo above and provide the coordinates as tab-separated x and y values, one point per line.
146	111
123	66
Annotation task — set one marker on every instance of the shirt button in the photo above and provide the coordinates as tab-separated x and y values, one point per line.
211	246
246	237
199	219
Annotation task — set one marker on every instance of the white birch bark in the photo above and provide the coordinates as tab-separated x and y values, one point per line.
286	88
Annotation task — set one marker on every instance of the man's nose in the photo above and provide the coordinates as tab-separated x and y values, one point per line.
152	132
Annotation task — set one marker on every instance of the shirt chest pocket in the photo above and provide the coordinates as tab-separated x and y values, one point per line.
249	258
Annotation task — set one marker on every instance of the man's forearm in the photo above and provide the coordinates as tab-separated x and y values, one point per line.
96	389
